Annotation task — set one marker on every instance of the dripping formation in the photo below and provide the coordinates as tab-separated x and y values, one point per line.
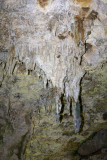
59	63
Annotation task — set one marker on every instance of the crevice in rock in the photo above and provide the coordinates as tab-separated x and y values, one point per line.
29	72
81	106
93	15
70	107
62	107
47	84
3	70
81	110
14	67
22	146
88	46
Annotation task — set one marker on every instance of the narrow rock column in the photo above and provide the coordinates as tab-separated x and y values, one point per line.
76	116
58	107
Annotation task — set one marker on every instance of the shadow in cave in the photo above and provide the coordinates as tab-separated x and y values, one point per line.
81	108
62	108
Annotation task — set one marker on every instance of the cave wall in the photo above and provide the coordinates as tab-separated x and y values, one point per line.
52	56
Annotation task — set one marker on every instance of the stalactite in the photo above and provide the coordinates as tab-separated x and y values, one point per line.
76	116
55	58
58	107
73	75
11	65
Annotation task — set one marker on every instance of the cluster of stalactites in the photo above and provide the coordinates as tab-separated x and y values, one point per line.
72	107
59	103
58	66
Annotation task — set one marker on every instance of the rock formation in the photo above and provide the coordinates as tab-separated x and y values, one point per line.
52	60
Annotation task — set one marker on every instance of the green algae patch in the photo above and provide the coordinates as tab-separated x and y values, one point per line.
98	83
47	139
94	93
28	86
44	140
5	130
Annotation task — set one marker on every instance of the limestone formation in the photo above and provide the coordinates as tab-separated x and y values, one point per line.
62	46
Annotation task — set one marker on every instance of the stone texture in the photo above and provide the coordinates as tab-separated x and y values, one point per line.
21	96
98	142
52	68
67	35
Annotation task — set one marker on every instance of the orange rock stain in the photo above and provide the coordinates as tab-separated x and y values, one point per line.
84	3
43	3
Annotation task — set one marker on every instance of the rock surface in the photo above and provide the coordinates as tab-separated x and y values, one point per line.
53	81
98	142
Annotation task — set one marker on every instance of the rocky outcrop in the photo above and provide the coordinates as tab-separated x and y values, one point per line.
96	147
95	144
52	53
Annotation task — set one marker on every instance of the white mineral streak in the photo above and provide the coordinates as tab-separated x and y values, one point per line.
45	42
